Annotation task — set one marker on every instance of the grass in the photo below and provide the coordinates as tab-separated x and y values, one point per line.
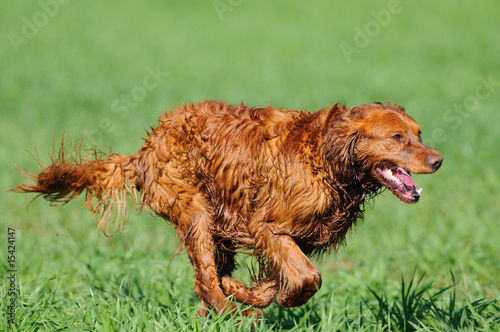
108	69
419	306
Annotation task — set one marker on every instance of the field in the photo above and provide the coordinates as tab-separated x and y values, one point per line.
106	70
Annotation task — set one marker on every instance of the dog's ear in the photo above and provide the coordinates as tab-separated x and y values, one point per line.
396	106
355	112
358	112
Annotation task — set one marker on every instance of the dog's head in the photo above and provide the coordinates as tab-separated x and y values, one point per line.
388	148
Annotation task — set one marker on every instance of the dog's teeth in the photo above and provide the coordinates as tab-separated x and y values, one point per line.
419	191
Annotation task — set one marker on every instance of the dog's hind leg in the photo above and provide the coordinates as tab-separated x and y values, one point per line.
196	222
259	296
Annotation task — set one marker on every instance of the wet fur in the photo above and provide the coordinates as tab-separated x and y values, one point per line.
281	184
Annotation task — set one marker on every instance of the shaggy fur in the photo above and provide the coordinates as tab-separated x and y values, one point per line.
281	184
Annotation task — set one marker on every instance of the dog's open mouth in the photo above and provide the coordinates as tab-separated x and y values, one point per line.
399	181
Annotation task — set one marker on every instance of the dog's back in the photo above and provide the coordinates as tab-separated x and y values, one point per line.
249	162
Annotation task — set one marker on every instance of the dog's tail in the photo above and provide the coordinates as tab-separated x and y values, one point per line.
108	182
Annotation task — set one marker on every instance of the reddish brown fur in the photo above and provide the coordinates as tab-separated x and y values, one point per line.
283	184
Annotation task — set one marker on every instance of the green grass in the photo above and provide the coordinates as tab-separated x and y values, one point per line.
87	69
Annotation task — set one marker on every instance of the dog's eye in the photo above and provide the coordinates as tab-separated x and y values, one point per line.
398	137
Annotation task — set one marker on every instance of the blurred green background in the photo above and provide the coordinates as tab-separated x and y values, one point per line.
107	69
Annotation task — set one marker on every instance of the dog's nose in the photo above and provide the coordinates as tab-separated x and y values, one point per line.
435	161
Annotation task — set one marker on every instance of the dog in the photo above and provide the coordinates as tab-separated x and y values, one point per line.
284	185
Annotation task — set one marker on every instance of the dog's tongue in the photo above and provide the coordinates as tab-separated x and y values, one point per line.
405	178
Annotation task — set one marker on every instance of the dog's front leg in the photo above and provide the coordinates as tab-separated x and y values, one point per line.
298	278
